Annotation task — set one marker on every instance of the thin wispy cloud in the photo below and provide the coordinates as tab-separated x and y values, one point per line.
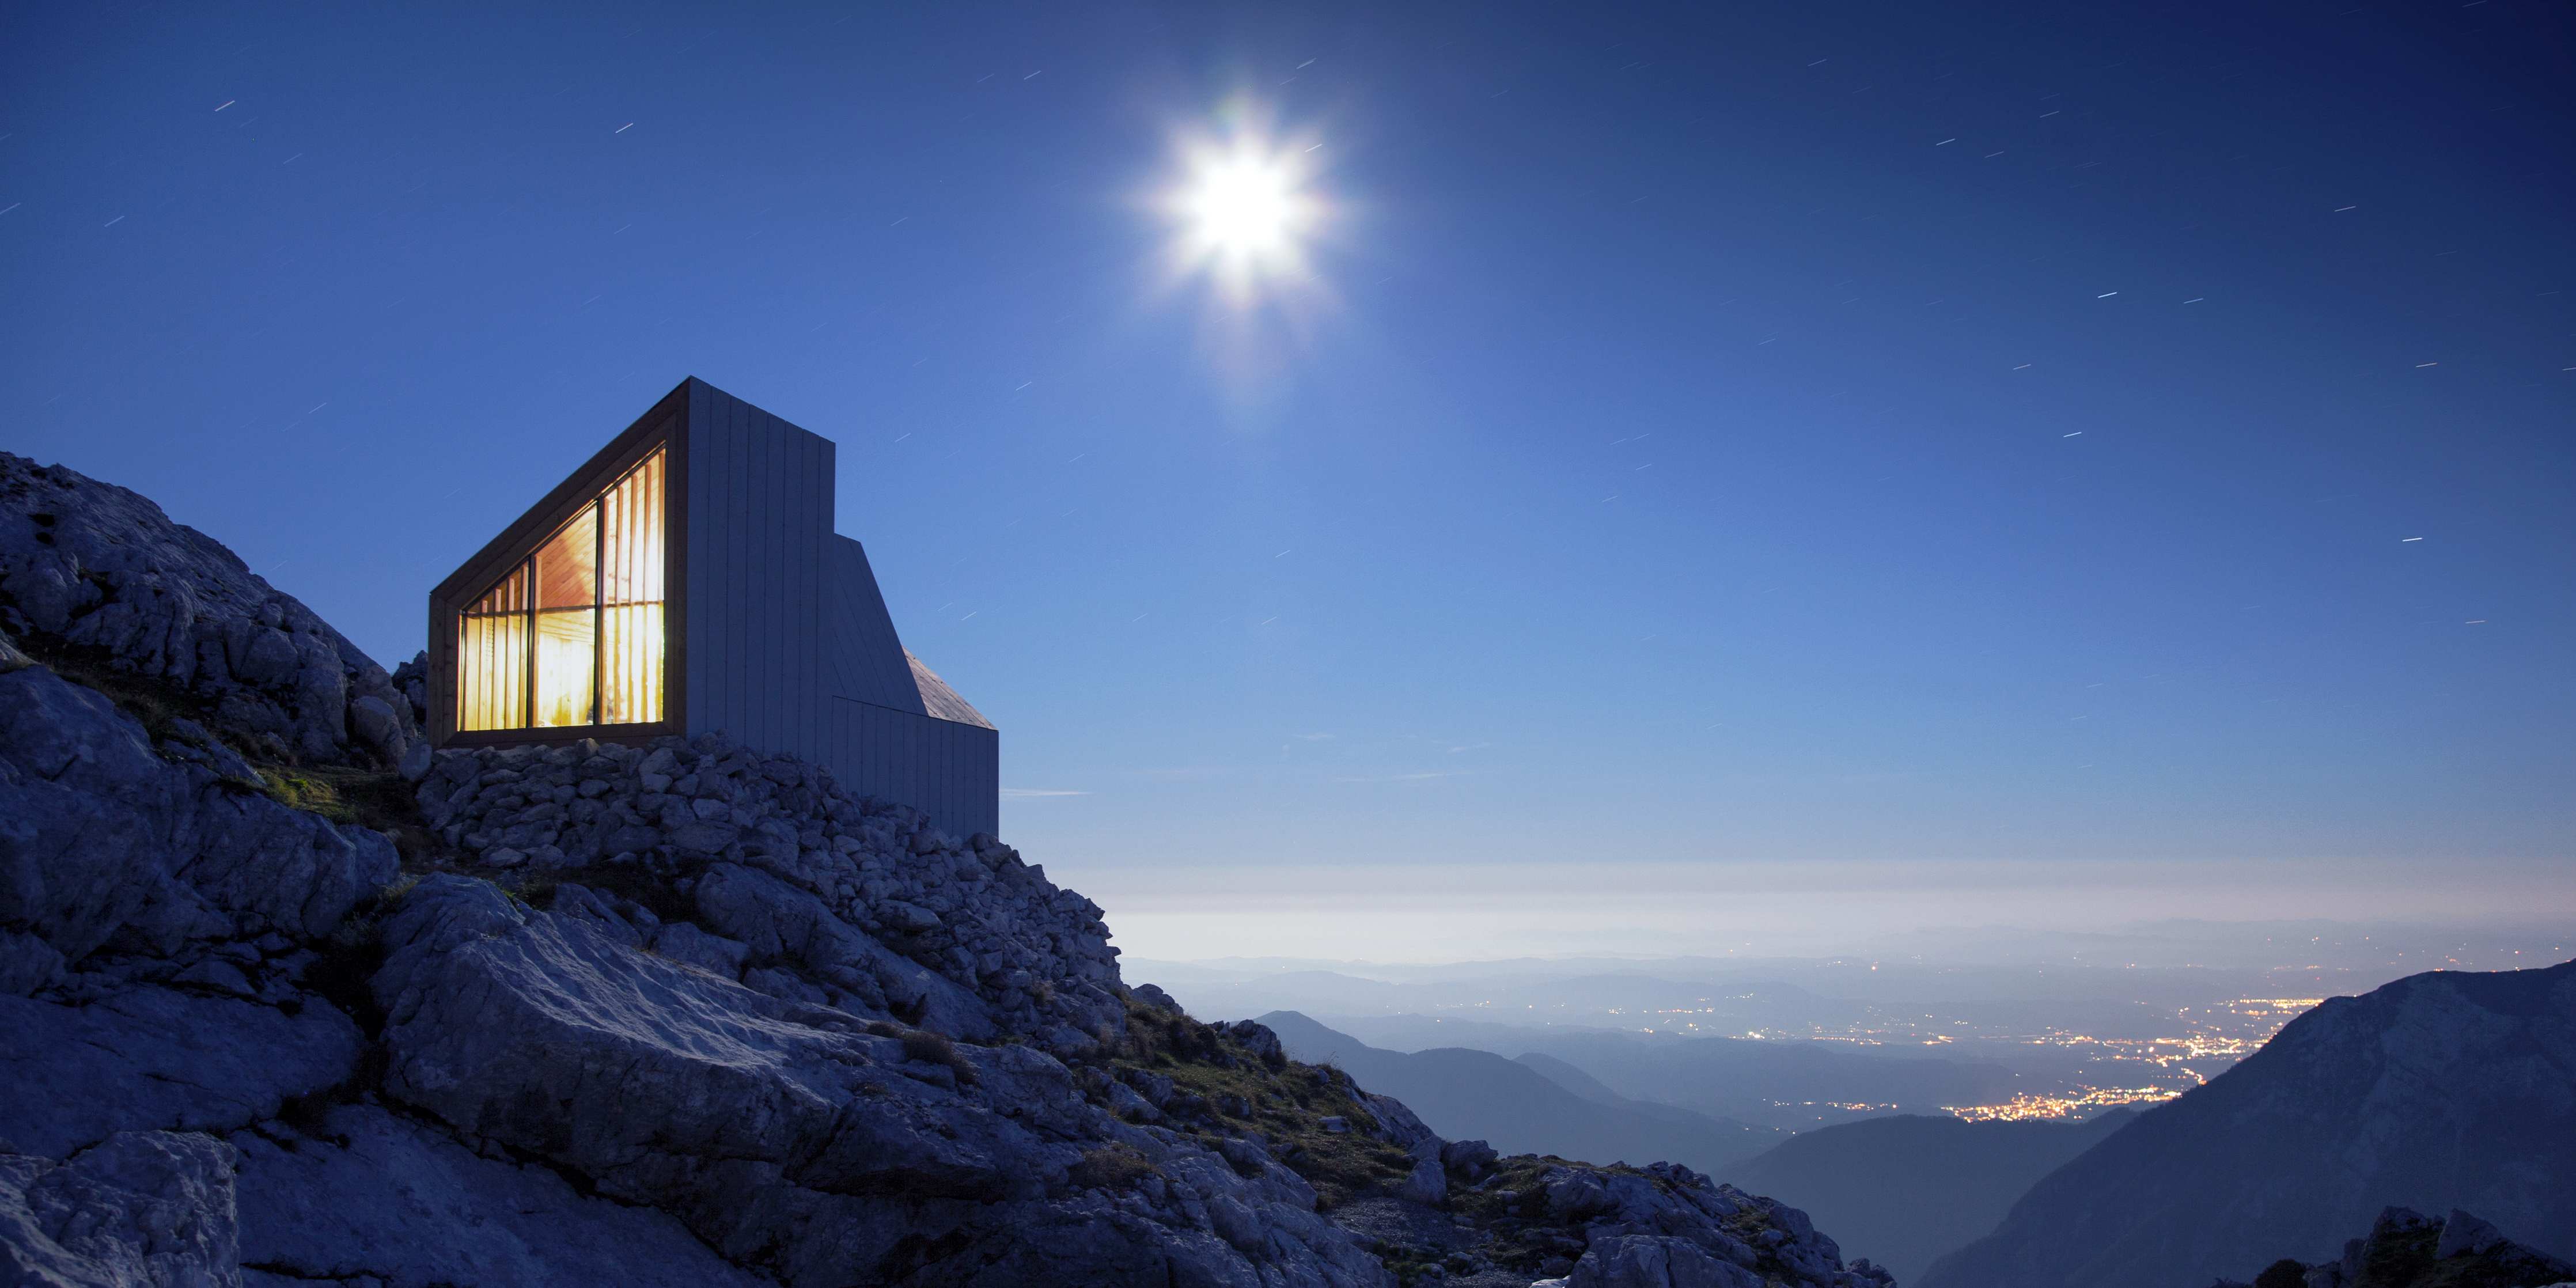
1022	793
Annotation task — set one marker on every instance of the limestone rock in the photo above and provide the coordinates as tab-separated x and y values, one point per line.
834	894
137	1210
369	1193
153	1057
791	1138
91	565
104	843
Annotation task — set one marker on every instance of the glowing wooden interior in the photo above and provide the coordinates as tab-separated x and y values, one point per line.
574	634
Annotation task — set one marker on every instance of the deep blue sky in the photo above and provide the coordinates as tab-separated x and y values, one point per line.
1710	433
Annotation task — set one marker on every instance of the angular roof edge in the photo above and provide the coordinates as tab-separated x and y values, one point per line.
941	700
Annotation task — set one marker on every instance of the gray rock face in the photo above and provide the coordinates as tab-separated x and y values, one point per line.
2441	1090
105	845
137	1210
2406	1249
146	1056
93	566
793	1138
371	1194
1661	1226
1674	1228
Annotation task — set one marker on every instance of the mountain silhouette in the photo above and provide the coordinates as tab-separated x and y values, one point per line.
2449	1089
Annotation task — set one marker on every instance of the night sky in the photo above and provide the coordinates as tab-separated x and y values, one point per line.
2005	444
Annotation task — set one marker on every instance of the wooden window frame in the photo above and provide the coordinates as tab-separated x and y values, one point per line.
665	428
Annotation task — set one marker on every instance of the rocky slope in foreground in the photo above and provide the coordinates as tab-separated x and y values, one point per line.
674	1014
2450	1089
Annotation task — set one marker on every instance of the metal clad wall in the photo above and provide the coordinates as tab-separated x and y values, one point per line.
871	665
947	770
790	647
760	527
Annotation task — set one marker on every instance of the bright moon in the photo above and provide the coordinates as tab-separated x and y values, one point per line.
1244	211
1243	206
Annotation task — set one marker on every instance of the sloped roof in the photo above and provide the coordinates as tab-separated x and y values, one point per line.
941	700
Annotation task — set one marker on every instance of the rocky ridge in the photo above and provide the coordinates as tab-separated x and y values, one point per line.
667	1014
2406	1249
90	572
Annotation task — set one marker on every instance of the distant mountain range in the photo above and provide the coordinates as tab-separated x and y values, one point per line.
2444	1090
1903	1190
1476	1095
1781	1084
1799	1085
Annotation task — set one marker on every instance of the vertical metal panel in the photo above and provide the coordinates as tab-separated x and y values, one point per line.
706	558
741	600
818	478
761	527
767	631
947	770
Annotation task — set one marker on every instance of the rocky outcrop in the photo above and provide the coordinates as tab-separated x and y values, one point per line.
668	1014
93	571
1659	1226
140	1207
2442	1090
795	1137
117	865
2406	1249
804	1103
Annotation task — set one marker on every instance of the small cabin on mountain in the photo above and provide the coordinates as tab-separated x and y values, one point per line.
687	579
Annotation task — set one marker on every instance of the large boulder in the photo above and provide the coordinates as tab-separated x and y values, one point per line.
368	1193
146	1056
793	1138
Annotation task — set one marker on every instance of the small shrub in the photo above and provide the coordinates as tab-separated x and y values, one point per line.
299	791
935	1048
1117	1167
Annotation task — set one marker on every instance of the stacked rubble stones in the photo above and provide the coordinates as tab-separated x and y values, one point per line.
746	838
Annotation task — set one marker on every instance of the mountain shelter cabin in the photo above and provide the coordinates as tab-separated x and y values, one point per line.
687	579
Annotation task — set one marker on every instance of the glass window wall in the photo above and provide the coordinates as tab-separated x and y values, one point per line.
573	635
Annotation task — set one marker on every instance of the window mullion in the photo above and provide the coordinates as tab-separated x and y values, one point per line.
598	602
528	652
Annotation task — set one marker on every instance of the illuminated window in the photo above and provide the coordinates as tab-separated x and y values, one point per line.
573	635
